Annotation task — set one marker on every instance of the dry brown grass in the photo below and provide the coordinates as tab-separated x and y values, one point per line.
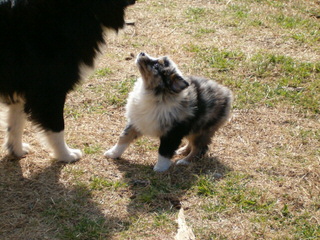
259	181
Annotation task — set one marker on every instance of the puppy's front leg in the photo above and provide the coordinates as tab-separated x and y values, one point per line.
129	134
168	145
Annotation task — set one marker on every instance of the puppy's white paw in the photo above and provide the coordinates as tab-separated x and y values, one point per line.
161	167
20	151
183	162
72	155
111	154
163	164
116	151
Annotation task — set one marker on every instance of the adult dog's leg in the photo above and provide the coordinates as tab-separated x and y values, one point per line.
15	123
48	113
127	136
61	151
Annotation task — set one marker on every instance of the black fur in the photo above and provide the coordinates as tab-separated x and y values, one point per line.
43	43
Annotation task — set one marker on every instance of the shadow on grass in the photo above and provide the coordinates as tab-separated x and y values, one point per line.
41	207
157	192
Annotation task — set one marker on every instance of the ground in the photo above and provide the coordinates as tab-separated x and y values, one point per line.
261	177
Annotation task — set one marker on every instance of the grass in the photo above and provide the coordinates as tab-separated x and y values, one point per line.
119	92
260	179
98	183
267	79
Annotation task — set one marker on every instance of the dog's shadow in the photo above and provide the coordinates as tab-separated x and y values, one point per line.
37	205
158	192
41	207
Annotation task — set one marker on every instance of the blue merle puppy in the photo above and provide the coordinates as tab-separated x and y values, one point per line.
170	106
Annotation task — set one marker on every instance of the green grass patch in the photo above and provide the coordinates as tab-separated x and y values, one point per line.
304	30
92	149
75	171
85	228
102	72
263	79
100	183
146	144
289	22
205	186
70	218
161	219
306	228
195	14
154	190
239	11
220	60
119	92
285	80
232	194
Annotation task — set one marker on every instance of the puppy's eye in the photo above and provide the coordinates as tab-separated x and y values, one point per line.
166	62
156	66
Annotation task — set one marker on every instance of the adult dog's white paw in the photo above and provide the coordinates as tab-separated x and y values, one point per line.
20	151
163	164
183	162
61	151
72	155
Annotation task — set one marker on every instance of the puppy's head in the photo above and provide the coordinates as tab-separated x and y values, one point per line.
160	74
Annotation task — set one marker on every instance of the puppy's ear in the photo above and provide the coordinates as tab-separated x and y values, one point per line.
178	83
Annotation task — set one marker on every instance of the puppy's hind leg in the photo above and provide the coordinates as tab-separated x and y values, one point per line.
184	150
15	123
199	146
127	136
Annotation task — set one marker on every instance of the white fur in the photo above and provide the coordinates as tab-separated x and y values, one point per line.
163	164
15	123
61	151
183	162
116	151
149	115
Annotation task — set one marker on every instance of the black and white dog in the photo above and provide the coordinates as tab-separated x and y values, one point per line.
43	46
168	105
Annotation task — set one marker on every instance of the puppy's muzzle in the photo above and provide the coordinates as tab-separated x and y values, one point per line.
142	58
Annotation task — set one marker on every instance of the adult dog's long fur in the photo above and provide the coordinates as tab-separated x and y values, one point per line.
43	45
168	105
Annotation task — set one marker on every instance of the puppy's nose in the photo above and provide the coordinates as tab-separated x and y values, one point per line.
142	54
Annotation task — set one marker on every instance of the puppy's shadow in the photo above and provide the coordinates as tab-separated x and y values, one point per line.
152	191
39	206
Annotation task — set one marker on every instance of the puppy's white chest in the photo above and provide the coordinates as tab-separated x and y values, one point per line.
149	118
151	115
